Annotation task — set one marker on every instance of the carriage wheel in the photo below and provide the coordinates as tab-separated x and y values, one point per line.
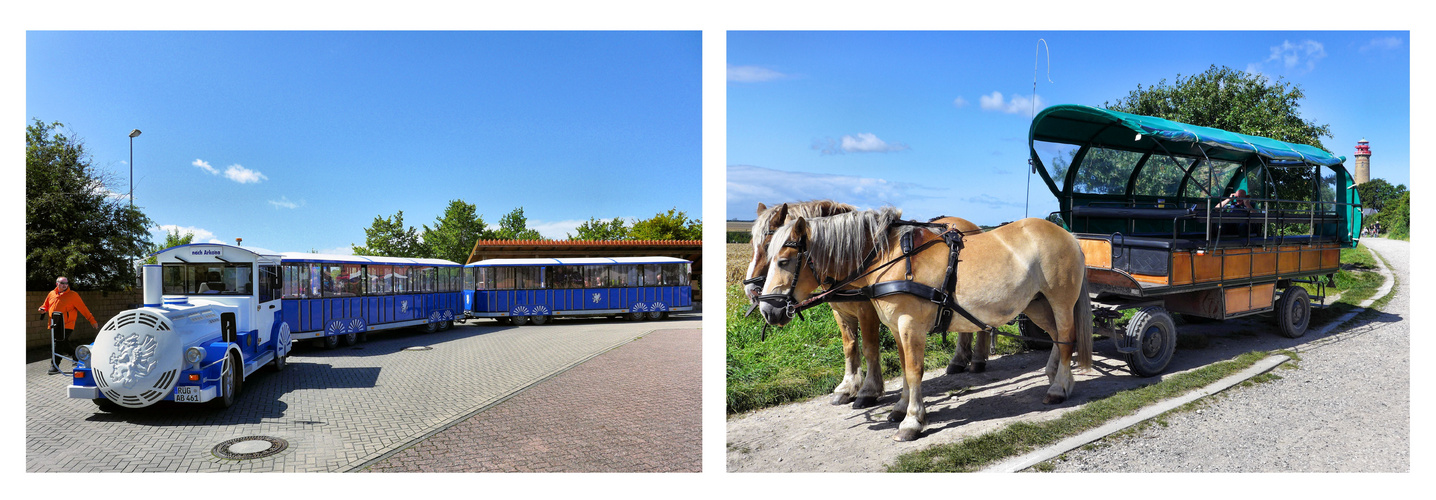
519	320
635	316
351	338
1156	341
655	315
431	327
538	320
1026	328
330	342
1293	311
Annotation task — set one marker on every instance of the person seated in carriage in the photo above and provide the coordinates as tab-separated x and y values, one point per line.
1237	202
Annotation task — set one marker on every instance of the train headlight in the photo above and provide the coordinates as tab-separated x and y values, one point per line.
82	353
194	355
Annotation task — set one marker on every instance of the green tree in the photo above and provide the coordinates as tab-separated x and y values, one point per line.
513	227
453	235
388	237
1235	101
173	239
597	230
1376	193
1396	218
673	225
74	227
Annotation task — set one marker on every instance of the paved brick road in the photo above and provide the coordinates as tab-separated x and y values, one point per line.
337	409
633	409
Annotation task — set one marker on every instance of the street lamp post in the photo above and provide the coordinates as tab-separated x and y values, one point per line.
133	134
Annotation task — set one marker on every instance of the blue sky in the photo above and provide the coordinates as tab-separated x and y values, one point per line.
297	140
936	123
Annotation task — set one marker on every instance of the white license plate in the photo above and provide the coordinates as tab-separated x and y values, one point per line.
187	394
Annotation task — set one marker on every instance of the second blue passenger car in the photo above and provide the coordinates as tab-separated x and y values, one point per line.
340	298
519	291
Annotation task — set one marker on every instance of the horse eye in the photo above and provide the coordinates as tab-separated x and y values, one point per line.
782	262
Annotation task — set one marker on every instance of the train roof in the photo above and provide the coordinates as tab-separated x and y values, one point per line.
578	261
362	259
255	252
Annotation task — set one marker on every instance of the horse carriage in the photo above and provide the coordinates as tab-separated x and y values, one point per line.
1147	232
1146	199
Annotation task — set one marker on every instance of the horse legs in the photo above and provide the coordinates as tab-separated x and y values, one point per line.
843	393
872	382
913	342
1059	363
961	355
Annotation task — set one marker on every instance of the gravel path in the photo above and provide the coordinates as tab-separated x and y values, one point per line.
1347	408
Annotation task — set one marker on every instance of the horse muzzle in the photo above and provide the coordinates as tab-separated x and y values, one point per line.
777	309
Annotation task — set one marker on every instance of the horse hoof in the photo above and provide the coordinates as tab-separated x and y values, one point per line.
842	399
955	369
895	416
864	402
1053	399
905	435
979	367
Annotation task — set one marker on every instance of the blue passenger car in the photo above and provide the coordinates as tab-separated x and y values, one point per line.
519	291
334	298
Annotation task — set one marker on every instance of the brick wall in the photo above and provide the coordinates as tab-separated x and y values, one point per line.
104	305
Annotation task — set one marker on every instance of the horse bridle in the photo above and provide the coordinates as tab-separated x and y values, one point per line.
787	301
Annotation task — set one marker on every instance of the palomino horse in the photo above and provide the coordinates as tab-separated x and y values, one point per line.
1030	266
857	387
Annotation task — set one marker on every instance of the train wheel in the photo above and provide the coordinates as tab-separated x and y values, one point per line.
538	320
635	316
1293	311
331	341
1026	328
655	315
280	362
350	338
446	325
229	381
1156	341
431	327
519	320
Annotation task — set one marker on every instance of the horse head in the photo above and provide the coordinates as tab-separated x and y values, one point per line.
767	222
791	275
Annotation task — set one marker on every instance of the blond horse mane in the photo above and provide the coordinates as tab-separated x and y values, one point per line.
839	244
807	209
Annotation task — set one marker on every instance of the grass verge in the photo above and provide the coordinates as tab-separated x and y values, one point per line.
976	452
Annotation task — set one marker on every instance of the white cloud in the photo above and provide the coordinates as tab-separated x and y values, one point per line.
204	165
959	102
344	250
749	185
559	230
752	74
283	202
1302	55
200	235
238	173
1386	43
858	143
1019	104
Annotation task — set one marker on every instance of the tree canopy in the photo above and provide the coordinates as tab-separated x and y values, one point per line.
597	230
513	227
172	239
454	234
74	225
1376	193
388	237
672	225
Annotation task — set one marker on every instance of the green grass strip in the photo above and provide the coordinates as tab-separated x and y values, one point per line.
976	452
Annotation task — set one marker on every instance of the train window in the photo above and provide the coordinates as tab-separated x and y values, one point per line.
296	281
623	276
565	277
315	283
651	275
486	278
422	280
528	277
380	279
469	282
208	279
595	276
269	288
670	274
401	282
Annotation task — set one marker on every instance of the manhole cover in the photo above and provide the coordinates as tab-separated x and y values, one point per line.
250	447
419	348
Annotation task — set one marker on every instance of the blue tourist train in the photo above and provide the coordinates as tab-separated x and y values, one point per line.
214	314
519	291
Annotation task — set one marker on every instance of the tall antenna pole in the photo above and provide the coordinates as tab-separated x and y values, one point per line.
1031	166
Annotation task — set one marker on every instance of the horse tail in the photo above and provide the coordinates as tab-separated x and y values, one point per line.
1082	314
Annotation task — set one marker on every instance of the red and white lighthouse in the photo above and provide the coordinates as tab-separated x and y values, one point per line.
1363	162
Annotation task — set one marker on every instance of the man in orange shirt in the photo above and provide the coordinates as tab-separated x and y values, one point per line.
68	302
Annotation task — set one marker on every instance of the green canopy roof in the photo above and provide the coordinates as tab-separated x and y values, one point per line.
1076	124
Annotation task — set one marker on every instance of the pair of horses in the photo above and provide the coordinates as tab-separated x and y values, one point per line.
1030	266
